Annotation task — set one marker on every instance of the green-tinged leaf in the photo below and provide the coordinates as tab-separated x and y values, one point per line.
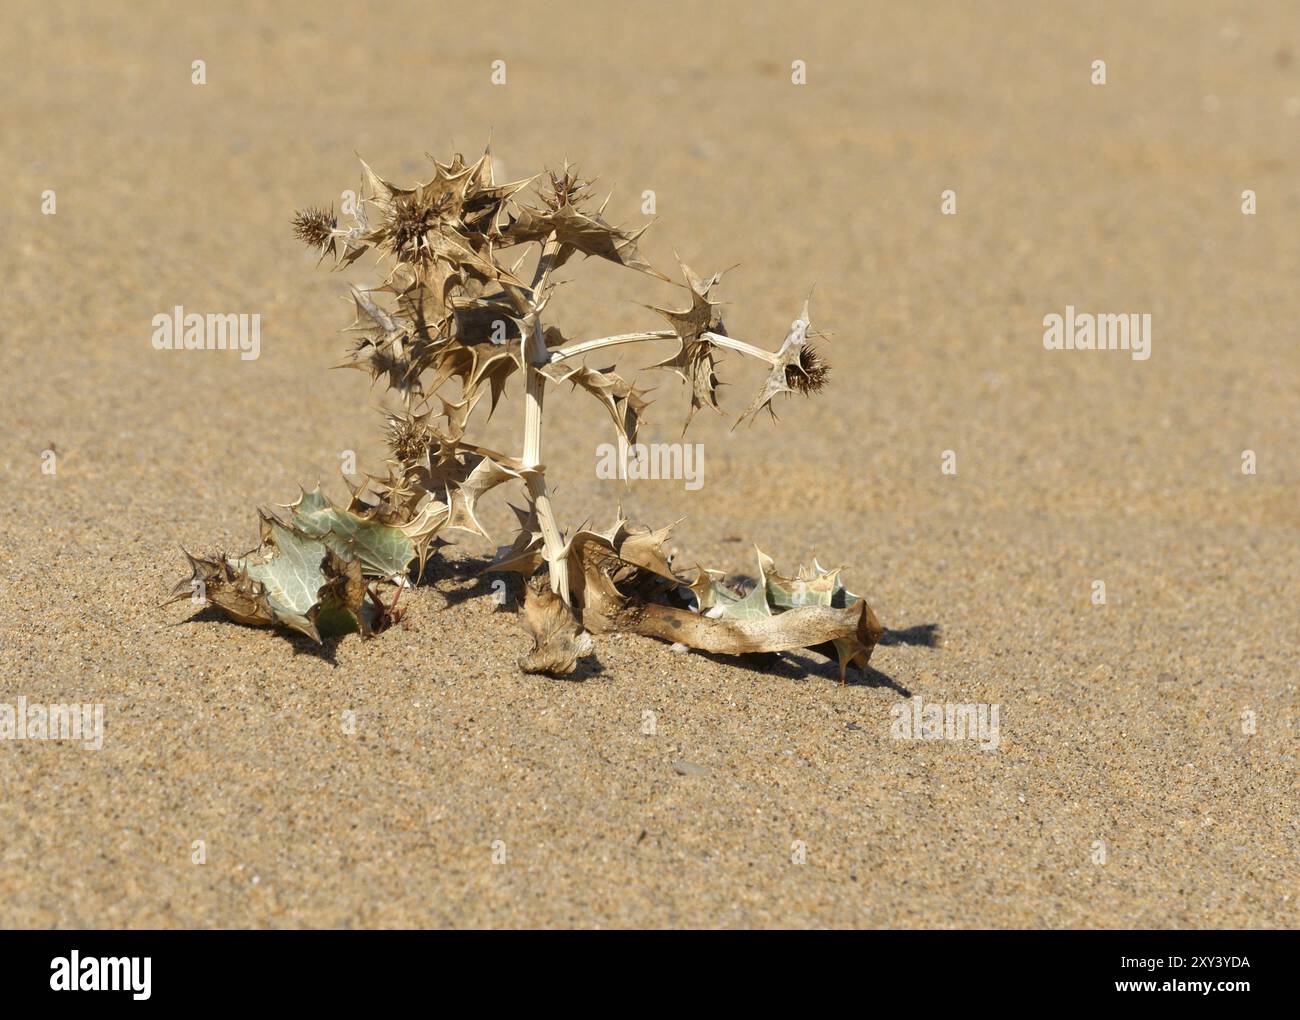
815	587
383	550
290	572
752	605
292	580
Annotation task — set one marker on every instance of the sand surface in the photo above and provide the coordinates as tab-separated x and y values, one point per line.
1121	725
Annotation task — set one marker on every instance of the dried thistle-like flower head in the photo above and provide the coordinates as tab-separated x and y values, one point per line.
314	227
409	437
410	219
796	368
566	189
809	373
407	216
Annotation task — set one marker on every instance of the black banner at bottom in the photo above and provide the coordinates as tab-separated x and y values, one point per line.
144	970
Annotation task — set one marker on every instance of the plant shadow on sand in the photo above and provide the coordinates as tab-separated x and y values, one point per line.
801	665
927	635
461	578
326	651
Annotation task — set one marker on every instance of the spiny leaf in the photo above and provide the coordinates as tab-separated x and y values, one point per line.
292	580
384	551
226	586
604	567
624	402
694	359
290	572
524	555
577	231
623	582
487	474
815	587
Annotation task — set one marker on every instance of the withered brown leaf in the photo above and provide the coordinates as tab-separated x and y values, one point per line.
558	639
577	231
625	403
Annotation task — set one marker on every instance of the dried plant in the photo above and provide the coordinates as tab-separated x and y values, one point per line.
453	307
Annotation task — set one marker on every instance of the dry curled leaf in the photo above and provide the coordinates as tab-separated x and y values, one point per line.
853	628
558	640
624	582
524	555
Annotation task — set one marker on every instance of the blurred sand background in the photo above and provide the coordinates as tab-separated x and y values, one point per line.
1119	723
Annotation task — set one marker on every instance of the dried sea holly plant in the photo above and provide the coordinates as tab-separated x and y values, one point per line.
469	265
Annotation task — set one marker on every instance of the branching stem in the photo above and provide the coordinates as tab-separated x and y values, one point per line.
587	346
528	303
740	347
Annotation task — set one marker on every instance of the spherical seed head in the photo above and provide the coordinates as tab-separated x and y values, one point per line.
809	374
315	227
410	221
408	437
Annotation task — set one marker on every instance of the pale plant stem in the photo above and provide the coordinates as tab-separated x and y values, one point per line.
545	263
740	347
535	356
730	343
552	543
585	346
